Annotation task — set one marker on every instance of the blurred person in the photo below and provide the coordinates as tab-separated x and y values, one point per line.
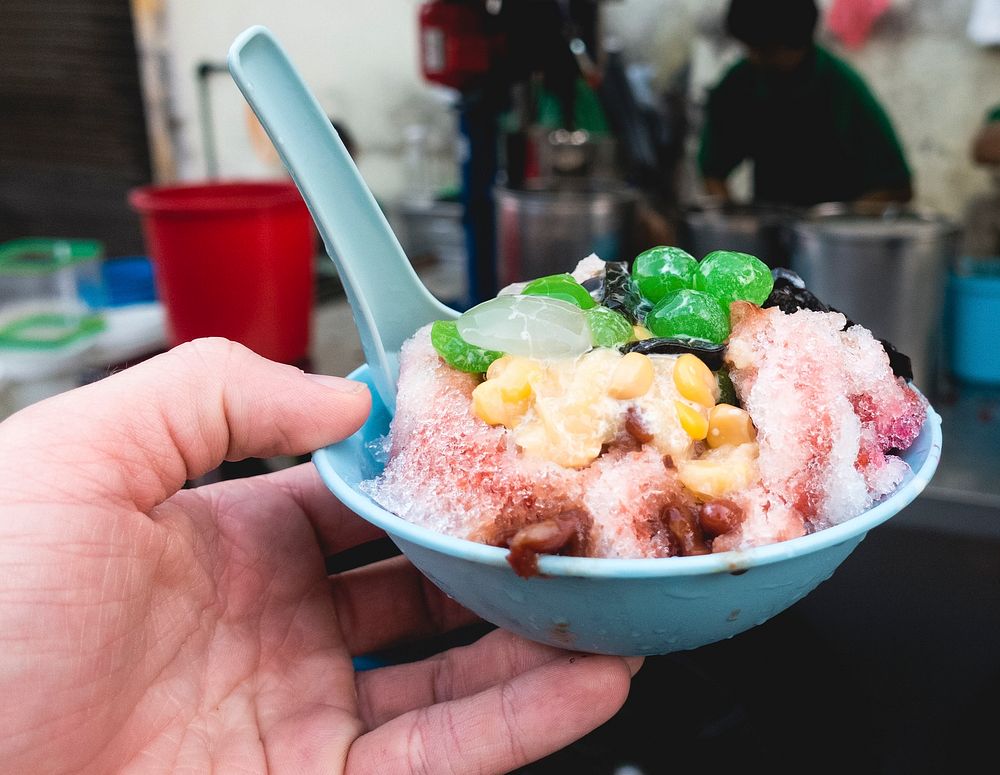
986	145
151	628
981	232
812	128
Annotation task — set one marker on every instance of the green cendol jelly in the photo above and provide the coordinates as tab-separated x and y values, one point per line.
662	270
689	313
608	328
730	276
562	287
458	353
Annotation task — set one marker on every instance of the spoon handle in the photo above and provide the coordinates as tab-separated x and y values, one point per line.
387	298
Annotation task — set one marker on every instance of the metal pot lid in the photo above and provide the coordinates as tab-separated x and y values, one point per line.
583	188
710	208
876	222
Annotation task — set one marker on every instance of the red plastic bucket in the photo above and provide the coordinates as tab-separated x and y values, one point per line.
233	260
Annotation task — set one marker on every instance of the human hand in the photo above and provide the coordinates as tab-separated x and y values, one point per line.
718	189
146	628
986	145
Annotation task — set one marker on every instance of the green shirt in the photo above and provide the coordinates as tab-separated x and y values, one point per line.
816	135
588	112
993	115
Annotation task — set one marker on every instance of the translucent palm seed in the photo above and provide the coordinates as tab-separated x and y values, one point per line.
530	326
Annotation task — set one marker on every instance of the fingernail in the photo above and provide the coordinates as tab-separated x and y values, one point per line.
634	663
339	384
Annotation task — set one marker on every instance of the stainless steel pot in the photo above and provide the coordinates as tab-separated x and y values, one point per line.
886	273
433	239
763	232
544	229
579	154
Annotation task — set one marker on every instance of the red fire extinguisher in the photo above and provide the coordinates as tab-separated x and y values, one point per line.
455	47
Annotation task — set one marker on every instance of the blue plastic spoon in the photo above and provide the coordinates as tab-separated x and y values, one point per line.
387	298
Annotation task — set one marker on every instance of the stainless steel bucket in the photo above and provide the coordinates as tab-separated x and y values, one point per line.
761	232
545	230
433	239
887	273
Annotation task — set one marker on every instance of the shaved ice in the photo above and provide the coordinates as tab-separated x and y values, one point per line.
586	455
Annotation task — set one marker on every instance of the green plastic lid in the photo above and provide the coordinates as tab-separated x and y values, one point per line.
44	255
48	330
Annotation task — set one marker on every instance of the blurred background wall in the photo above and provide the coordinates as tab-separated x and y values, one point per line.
935	82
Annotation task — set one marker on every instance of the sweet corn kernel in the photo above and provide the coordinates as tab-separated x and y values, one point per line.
498	366
694	423
641	332
512	392
695	381
632	377
513	375
566	434
729	425
489	405
517	376
716	478
720	471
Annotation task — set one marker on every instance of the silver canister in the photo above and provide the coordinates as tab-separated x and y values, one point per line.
544	229
886	273
764	232
433	238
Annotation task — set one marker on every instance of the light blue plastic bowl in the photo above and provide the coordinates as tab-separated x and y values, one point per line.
625	607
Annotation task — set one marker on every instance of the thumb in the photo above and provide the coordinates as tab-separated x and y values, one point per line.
137	436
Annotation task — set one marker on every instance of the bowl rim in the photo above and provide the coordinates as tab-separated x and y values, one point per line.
603	567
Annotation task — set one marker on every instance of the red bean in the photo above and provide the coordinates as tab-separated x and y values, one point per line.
549	536
635	428
719	517
685	531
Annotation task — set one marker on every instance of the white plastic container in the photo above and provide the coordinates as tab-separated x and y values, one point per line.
43	283
47	328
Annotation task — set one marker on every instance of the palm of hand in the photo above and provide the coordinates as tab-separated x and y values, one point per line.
219	643
149	630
